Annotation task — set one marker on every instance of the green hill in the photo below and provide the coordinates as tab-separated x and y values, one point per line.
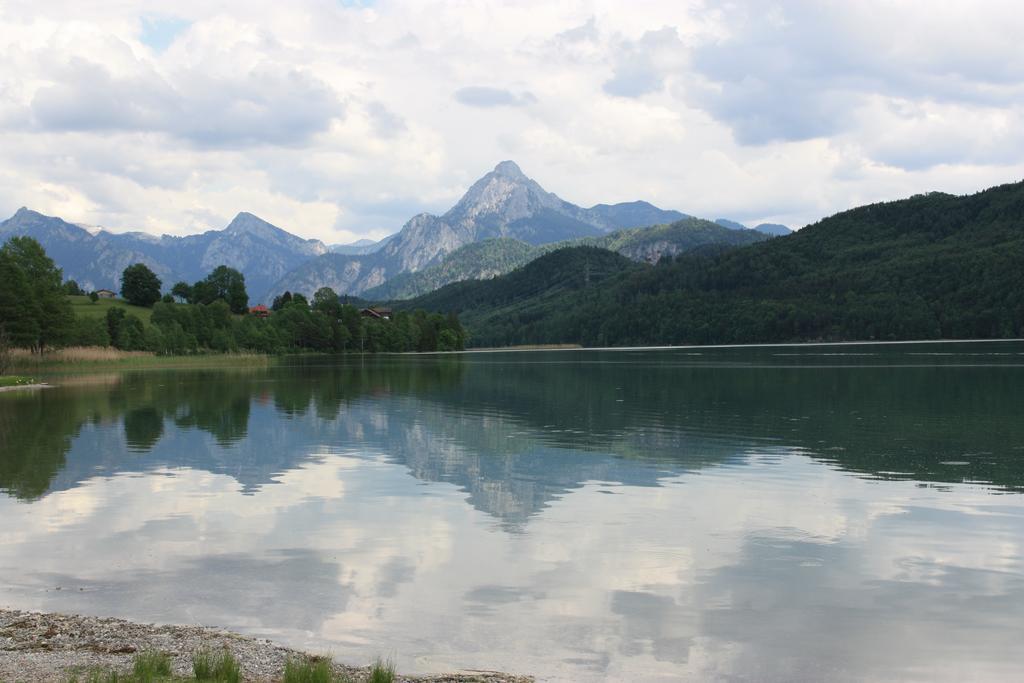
928	267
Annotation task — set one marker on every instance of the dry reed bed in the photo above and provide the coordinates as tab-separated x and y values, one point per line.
88	356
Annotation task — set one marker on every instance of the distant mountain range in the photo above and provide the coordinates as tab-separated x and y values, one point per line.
511	216
503	204
503	207
263	252
360	247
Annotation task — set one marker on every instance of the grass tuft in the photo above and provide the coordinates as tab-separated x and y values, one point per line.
151	666
221	668
98	677
15	381
382	671
312	670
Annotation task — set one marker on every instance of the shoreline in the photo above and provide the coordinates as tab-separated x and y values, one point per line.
47	646
697	347
36	385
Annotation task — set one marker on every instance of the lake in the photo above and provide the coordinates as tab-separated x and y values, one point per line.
773	513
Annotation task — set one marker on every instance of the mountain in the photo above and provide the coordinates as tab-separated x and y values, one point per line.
360	247
772	229
933	266
505	203
482	260
95	259
474	261
651	244
732	225
635	214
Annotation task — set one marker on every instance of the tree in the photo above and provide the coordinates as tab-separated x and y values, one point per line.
281	301
114	318
94	297
183	291
46	303
18	308
71	288
223	283
90	331
140	286
131	334
325	301
5	351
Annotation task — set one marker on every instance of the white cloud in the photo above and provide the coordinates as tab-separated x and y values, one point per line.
485	96
342	120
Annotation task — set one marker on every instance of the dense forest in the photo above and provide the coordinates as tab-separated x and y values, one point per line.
929	267
211	315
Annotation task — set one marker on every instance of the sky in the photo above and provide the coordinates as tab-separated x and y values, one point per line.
340	120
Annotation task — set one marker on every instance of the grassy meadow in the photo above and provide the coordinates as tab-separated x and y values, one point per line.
83	307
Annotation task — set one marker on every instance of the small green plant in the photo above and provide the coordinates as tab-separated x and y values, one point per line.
382	671
151	666
221	667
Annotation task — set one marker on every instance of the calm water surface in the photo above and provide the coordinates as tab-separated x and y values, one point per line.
787	513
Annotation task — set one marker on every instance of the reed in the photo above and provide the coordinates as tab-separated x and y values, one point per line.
76	354
94	356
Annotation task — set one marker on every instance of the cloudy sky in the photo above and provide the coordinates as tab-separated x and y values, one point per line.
340	120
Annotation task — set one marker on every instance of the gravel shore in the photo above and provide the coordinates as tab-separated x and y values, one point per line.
21	387
48	647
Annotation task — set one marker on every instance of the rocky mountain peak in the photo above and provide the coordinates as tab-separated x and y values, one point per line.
509	169
247	222
505	194
24	214
31	222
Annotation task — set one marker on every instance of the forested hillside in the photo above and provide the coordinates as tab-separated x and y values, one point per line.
508	309
932	266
